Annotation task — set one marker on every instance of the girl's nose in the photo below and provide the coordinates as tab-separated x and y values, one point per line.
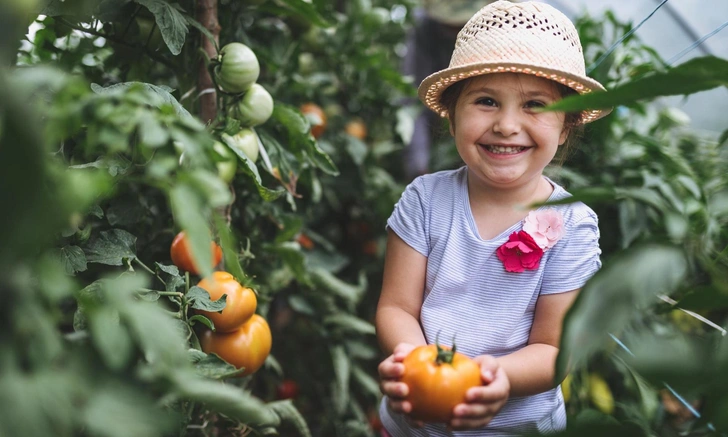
507	123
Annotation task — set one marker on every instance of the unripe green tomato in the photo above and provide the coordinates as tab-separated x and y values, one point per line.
306	63
227	166
238	68
246	141
255	107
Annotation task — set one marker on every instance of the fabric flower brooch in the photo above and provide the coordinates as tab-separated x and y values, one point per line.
524	249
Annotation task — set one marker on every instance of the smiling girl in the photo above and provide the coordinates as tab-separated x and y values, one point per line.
467	256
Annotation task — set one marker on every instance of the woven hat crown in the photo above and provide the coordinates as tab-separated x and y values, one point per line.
529	37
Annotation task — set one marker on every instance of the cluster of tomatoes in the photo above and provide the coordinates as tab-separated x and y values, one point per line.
236	71
241	337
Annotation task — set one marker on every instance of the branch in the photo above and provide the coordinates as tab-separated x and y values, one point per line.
207	16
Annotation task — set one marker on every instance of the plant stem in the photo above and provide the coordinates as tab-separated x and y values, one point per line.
152	272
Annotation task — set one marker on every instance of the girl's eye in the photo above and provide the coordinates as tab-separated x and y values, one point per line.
535	104
487	101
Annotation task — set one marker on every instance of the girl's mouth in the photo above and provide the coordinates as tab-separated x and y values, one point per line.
503	150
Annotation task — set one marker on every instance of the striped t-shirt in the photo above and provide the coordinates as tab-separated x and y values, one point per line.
470	296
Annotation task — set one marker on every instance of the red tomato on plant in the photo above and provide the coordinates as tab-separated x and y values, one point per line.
182	256
287	389
438	379
247	347
240	302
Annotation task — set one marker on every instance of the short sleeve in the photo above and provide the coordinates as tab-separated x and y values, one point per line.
574	259
409	219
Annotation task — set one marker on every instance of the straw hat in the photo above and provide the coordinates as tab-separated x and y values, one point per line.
528	37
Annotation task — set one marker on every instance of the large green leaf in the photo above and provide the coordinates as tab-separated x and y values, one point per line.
695	75
250	169
172	24
626	286
230	249
111	247
159	95
72	258
190	213
227	399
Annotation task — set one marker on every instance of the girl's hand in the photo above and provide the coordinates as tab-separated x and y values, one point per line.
390	372
485	401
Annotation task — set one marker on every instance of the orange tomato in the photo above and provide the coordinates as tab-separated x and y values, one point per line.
182	257
316	117
438	379
240	302
247	347
356	128
305	241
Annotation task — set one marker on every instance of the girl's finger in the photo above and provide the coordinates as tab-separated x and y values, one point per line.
394	389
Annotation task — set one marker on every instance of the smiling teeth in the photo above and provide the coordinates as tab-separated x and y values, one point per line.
500	150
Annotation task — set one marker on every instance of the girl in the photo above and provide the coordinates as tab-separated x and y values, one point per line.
466	256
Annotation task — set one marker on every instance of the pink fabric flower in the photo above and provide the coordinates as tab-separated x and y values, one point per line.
545	226
520	252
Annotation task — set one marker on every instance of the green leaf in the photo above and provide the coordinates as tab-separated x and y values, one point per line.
357	149
224	398
212	366
172	24
116	410
171	276
72	258
329	282
695	75
229	249
369	384
188	209
289	414
111	248
158	95
350	322
110	337
308	11
214	190
290	253
250	169
152	133
299	137
202	319
685	363
342	372
200	299
626	285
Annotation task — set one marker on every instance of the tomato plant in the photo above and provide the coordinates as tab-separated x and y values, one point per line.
246	347
182	257
438	379
238	68
240	303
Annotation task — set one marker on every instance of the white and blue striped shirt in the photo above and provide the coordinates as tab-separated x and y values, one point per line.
470	296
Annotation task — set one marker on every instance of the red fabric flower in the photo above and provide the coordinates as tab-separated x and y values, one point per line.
520	252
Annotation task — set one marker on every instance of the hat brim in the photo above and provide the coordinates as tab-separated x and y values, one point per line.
431	89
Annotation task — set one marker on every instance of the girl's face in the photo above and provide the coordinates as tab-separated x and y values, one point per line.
499	134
